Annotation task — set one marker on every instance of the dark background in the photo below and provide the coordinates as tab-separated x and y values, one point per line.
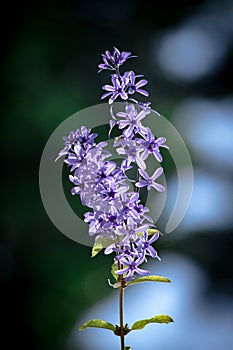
50	53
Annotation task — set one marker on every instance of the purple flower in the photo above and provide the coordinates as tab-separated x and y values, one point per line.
151	145
129	206
75	159
114	60
80	185
63	152
143	105
130	230
116	89
133	151
125	251
105	171
112	220
125	165
150	181
109	190
131	267
136	87
95	220
141	210
132	120
72	138
82	137
70	141
85	138
116	215
144	245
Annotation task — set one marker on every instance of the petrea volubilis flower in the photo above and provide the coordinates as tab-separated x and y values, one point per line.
151	145
116	89
114	60
117	218
132	121
133	151
132	266
150	181
102	185
122	85
135	87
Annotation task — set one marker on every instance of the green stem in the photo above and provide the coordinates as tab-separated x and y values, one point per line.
121	299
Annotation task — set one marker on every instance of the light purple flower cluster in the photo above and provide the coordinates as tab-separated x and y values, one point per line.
122	85
117	215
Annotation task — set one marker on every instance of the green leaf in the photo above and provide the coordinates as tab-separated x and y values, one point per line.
149	231
98	324
127	348
113	269
102	242
155	319
148	279
152	231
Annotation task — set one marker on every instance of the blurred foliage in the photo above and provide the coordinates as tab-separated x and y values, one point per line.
49	71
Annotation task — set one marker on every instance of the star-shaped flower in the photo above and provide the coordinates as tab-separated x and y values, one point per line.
114	60
150	181
116	89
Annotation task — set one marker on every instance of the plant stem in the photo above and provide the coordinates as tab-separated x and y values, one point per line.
121	299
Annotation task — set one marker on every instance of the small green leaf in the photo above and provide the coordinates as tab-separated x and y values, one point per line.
148	279
101	243
139	234
155	319
152	231
113	269
127	348
97	324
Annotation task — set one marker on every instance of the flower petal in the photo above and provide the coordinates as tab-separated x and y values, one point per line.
108	88
140	162
141	83
158	187
144	174
143	92
157	173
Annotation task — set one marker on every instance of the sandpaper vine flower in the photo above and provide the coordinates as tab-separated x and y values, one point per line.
117	218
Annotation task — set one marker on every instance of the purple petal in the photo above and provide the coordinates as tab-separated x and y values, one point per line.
134	214
154	238
158	155
141	183
116	51
144	174
105	95
132	77
141	83
122	271
134	197
158	187
145	154
140	162
143	92
121	114
75	190
152	252
122	124
128	132
157	173
113	97
123	95
141	115
141	271
108	88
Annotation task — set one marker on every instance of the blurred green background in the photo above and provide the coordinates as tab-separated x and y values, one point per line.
50	53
